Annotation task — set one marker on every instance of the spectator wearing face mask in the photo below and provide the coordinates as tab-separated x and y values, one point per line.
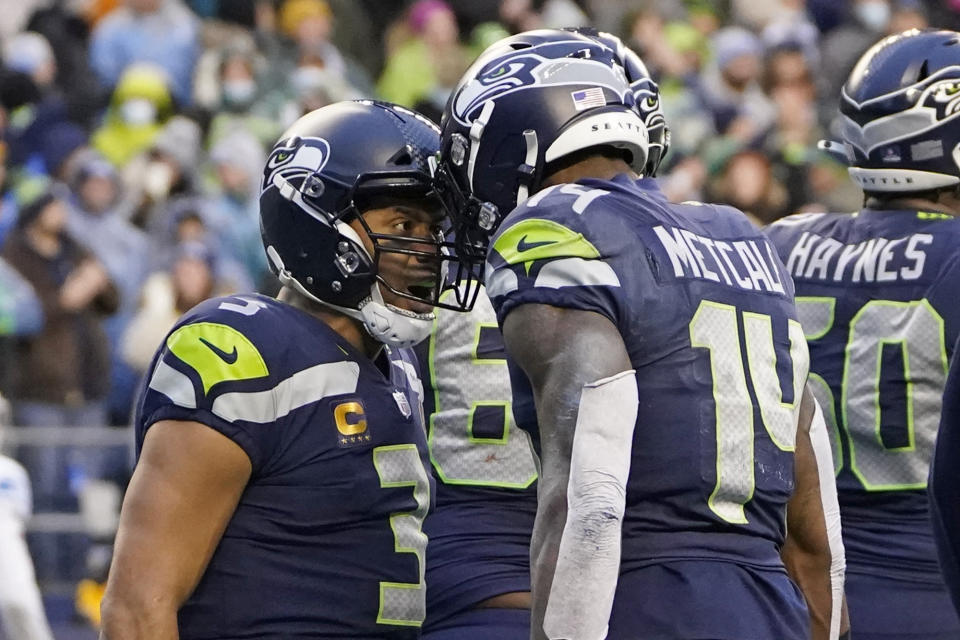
304	38
238	94
164	173
140	105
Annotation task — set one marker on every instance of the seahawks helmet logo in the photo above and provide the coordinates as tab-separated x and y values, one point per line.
647	97
510	74
923	107
945	98
493	77
296	158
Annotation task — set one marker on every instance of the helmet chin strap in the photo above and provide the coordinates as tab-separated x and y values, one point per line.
384	322
391	325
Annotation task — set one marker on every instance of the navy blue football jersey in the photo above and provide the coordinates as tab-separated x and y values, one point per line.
706	313
877	298
326	541
945	484
483	464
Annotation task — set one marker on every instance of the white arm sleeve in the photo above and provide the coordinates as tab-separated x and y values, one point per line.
21	607
820	440
588	563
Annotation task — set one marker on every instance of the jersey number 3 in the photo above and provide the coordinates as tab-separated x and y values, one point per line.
399	465
715	327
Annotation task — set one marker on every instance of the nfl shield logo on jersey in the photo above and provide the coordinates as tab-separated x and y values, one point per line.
402	403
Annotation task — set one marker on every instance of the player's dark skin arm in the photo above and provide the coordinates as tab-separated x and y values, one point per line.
560	350
806	550
183	492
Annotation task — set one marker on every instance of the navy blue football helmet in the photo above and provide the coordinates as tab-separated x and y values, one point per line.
530	100
646	93
901	113
326	168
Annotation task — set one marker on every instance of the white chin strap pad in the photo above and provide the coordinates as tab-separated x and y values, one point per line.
588	563
394	328
820	441
384	323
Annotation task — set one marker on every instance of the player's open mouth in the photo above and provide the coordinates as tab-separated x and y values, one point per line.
424	289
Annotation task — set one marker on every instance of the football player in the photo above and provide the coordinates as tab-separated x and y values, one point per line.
478	559
945	484
877	298
660	346
21	607
281	484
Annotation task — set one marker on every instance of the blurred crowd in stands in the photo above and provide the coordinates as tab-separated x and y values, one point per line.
133	133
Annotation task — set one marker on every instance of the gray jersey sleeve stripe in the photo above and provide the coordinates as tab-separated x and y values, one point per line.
302	388
501	282
576	272
173	384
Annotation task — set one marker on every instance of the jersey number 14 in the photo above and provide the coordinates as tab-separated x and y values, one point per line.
715	327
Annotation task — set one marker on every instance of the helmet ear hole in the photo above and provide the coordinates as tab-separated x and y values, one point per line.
402	158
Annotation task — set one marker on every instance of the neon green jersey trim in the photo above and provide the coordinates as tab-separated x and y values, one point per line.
218	353
537	239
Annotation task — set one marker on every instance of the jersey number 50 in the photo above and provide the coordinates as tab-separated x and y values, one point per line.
913	331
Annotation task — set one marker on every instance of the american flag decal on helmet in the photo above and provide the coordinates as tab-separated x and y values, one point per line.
588	98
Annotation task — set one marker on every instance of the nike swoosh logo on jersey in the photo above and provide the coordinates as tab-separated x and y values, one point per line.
523	245
229	358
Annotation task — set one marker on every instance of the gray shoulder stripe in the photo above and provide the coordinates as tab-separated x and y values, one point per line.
501	282
173	384
576	272
302	388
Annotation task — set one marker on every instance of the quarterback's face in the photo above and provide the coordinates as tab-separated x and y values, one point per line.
403	272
